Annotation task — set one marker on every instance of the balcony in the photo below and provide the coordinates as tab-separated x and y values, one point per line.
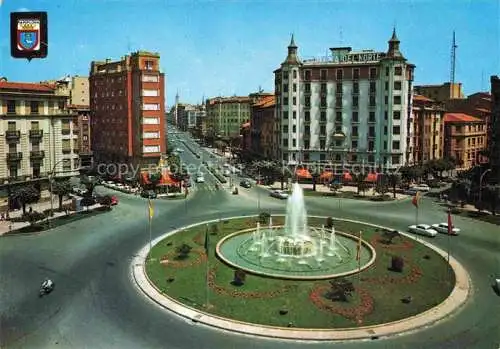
322	136
66	150
307	121
12	136
14	157
37	154
65	130
322	121
36	134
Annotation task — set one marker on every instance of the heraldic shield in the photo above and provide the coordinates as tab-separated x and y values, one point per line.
28	36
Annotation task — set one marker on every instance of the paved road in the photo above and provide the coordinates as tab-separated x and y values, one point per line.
95	306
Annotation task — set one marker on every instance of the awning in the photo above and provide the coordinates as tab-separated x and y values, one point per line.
167	179
372	177
303	173
347	177
326	175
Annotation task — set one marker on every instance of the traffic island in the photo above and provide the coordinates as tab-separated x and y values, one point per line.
409	285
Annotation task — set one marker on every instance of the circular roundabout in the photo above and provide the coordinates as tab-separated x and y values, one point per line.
217	273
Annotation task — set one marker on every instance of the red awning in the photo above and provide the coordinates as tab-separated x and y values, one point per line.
326	175
303	173
347	177
372	177
167	179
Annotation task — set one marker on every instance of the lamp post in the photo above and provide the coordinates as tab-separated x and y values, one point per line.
51	175
481	187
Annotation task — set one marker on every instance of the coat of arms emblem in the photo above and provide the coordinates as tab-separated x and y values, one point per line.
28	35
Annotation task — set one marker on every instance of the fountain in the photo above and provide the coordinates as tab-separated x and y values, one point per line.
294	250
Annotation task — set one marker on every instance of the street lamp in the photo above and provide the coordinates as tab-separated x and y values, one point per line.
481	187
51	175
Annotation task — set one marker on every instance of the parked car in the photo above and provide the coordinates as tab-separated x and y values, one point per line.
422	229
279	194
226	173
79	191
245	184
443	228
148	194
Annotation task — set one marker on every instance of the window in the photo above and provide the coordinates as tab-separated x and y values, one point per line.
307	130
371	131
285	75
307	101
294	100
34	107
371	146
285	128
150	93
323	88
386	100
35	125
306	145
396	130
307	116
322	130
395	145
11	107
386	85
149	65
396	115
151	149
339	74
294	87
285	142
371	117
354	101
11	126
294	74
339	88
355	87
354	131
307	75
323	101
151	121
294	114
355	74
66	165
285	115
373	73
85	138
61	105
387	71
307	87
285	100
355	116
150	78
294	128
372	101
322	143
285	88
395	159
354	144
151	106
338	117
66	145
397	85
323	116
294	142
323	74
398	71
397	100
151	135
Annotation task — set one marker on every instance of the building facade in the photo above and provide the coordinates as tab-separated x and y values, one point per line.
441	93
38	133
188	114
494	135
427	130
127	109
225	115
465	138
262	127
351	108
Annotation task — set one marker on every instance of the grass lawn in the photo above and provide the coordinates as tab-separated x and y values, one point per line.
378	291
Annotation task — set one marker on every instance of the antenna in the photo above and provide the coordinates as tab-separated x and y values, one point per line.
452	72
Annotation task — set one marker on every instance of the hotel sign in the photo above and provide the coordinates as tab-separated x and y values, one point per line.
362	57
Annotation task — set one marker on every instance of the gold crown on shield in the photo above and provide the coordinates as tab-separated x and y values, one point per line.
28	26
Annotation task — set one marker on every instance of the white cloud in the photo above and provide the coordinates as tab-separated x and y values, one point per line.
22	9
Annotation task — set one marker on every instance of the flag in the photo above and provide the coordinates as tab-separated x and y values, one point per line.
206	241
151	209
450	224
358	248
416	199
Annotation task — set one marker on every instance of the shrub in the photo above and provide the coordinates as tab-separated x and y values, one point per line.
264	217
183	251
214	229
329	223
397	264
239	277
340	289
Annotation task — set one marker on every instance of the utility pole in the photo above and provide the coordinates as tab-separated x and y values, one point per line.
452	72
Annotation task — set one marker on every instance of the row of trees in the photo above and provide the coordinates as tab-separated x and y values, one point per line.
435	167
467	191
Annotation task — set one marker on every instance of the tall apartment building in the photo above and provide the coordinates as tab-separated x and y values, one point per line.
494	136
262	127
350	108
187	115
465	138
427	130
441	93
225	115
127	106
38	136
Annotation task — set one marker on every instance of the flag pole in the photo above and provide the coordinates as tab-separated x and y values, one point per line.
358	255
207	271
449	234
150	219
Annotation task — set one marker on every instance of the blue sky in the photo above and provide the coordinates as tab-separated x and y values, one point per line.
222	47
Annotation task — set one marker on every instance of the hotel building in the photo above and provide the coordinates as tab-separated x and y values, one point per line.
38	133
350	108
225	115
127	107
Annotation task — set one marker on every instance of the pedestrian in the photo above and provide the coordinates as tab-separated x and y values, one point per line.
31	209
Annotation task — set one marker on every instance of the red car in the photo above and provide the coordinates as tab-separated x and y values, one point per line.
114	200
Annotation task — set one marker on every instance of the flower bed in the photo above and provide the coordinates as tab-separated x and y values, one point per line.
411	277
350	311
378	241
169	259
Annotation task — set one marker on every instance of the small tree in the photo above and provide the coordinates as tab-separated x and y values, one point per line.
183	251
390	235
335	187
359	179
397	264
264	217
26	196
61	188
90	183
329	223
340	290
381	189
393	180
239	277
34	217
316	173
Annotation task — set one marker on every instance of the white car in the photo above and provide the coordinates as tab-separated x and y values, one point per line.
200	179
226	173
443	228
279	194
422	229
421	187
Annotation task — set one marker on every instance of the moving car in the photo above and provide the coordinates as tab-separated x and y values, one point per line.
421	187
279	194
148	194
422	229
443	228
245	184
200	179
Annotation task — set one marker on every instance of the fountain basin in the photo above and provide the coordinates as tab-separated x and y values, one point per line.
300	259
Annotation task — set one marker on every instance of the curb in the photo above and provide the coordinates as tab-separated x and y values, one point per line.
439	313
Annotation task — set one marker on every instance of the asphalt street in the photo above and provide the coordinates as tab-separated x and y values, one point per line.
94	304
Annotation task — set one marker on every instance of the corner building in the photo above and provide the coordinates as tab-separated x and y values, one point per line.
127	104
351	108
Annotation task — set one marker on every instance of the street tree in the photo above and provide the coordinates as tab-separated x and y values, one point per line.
90	183
393	180
25	196
315	174
61	188
381	189
359	179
